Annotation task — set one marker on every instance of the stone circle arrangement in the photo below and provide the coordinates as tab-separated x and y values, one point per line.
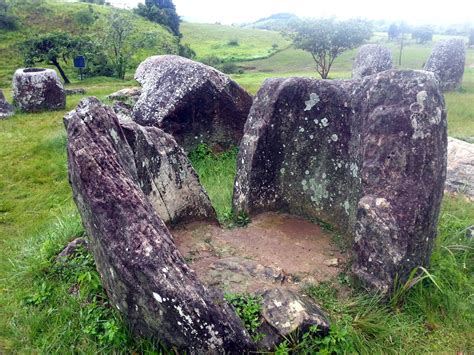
366	155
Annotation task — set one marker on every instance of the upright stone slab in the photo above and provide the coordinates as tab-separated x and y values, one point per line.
143	273
6	110
38	89
367	156
447	61
460	177
193	102
371	59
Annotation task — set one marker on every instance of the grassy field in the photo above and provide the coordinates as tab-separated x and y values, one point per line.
46	308
231	43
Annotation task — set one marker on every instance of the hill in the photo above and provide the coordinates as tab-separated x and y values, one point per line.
39	17
276	22
232	43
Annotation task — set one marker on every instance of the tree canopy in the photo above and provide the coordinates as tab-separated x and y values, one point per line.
162	12
51	48
326	39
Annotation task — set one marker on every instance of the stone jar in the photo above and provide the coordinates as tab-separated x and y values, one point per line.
38	89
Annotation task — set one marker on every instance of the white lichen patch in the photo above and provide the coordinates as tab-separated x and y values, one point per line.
157	297
313	101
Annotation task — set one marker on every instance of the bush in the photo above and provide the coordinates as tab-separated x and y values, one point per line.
233	42
229	68
8	22
186	51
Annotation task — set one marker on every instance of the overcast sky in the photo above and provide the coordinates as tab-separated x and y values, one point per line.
411	11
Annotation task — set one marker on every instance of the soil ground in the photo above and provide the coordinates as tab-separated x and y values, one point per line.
275	250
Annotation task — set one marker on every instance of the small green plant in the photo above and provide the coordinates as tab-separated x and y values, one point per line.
200	153
242	219
234	42
401	290
40	297
249	309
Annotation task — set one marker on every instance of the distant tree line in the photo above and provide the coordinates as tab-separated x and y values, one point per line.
8	21
421	34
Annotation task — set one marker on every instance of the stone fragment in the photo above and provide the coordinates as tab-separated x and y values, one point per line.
6	110
368	157
371	59
166	176
288	313
78	91
470	232
239	275
447	61
38	89
460	177
193	102
144	274
71	249
128	95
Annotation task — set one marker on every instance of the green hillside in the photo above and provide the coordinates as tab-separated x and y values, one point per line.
231	43
39	17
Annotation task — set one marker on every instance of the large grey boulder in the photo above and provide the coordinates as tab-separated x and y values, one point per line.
38	89
144	274
6	110
371	59
193	102
460	177
447	61
367	156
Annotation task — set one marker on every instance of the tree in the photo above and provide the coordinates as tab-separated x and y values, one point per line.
162	12
51	48
120	29
471	37
393	32
7	21
422	34
326	39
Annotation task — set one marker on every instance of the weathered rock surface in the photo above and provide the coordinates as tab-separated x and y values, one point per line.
447	61
286	313
166	176
371	59
71	249
460	177
37	89
193	102
367	156
78	91
128	95
159	166
143	273
6	110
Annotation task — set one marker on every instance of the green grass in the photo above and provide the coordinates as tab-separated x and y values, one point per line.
213	39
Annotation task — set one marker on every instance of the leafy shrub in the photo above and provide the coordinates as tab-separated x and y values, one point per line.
249	309
233	42
186	51
8	22
230	68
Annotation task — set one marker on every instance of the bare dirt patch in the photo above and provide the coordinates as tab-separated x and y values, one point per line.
275	250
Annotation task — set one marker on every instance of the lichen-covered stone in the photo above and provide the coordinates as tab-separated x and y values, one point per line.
367	156
128	95
166	176
193	102
447	61
37	89
460	177
371	59
287	313
6	110
144	274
